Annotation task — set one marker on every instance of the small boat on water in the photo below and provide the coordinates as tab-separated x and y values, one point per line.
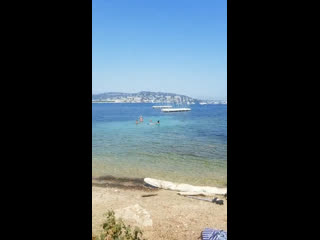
166	106
176	110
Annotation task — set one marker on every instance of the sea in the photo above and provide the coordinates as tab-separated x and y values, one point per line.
186	147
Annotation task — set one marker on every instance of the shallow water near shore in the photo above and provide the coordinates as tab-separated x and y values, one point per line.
187	147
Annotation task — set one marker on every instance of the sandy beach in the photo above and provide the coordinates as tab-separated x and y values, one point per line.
166	215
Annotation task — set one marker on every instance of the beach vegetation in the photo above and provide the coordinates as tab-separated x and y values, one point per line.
116	229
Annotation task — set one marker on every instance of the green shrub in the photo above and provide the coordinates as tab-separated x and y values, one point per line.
115	229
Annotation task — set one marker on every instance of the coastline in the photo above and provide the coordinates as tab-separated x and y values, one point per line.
164	215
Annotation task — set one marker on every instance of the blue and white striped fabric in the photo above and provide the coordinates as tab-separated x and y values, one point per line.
212	234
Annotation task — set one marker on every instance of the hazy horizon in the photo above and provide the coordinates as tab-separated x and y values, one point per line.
196	97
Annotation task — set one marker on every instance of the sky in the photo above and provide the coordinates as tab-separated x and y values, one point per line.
176	46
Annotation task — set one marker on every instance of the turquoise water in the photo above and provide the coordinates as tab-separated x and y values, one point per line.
187	147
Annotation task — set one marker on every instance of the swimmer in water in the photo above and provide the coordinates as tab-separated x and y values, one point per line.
158	122
141	119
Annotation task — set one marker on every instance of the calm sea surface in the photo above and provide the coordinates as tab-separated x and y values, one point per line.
187	147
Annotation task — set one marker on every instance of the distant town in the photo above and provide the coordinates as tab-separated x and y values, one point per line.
150	97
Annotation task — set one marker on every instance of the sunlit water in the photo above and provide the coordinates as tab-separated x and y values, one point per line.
187	147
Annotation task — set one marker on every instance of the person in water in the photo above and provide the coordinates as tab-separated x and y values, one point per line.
137	122
141	119
158	122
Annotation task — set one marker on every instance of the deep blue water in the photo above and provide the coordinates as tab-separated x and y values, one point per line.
187	147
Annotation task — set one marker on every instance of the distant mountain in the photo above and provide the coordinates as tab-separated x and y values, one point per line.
143	97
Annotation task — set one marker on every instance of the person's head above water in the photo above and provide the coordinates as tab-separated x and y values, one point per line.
158	121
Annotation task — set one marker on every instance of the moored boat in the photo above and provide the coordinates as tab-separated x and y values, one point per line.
176	110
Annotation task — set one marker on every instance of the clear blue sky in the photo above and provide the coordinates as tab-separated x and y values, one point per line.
177	46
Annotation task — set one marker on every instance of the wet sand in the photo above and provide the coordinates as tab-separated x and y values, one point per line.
163	215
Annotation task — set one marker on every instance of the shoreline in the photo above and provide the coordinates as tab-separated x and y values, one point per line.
163	214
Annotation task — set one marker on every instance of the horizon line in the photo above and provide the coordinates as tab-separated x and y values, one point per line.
204	97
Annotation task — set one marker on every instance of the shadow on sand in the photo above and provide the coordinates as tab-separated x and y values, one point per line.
122	183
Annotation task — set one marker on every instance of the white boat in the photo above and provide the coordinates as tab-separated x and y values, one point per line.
202	103
176	110
186	189
167	106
